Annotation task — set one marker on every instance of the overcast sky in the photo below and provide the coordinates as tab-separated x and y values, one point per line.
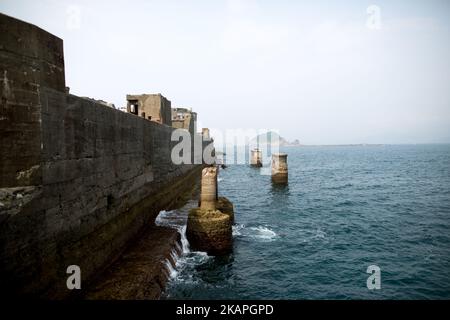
329	72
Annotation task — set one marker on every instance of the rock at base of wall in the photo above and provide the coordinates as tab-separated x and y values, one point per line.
210	231
141	272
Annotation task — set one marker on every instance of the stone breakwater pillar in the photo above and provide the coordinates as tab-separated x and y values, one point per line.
226	207
208	196
209	227
205	133
279	168
256	158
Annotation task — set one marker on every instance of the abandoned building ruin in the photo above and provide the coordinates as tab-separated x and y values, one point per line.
154	107
183	118
157	108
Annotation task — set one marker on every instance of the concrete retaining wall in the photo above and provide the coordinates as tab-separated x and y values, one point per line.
78	179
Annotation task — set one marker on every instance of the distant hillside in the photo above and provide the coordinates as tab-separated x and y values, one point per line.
273	138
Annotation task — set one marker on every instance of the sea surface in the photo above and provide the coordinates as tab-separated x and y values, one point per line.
345	208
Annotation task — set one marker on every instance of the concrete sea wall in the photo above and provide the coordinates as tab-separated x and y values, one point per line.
78	180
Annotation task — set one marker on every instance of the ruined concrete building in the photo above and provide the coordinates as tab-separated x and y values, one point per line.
183	118
157	108
154	107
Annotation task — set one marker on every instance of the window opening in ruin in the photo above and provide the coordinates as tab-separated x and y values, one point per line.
109	201
134	107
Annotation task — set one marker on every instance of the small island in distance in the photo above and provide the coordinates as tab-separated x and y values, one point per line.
272	138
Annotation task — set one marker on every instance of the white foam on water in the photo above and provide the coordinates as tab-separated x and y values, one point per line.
172	272
200	256
174	255
162	218
258	233
187	259
237	228
320	234
219	179
184	240
263	233
179	248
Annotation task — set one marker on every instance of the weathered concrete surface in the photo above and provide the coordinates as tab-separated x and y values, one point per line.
78	180
183	118
154	107
105	175
256	158
279	168
29	58
210	231
225	206
208	196
140	273
205	133
208	227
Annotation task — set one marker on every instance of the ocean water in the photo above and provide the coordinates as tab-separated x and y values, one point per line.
345	208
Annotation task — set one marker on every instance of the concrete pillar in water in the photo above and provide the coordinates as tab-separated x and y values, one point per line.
208	196
279	168
205	133
256	158
209	227
225	206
